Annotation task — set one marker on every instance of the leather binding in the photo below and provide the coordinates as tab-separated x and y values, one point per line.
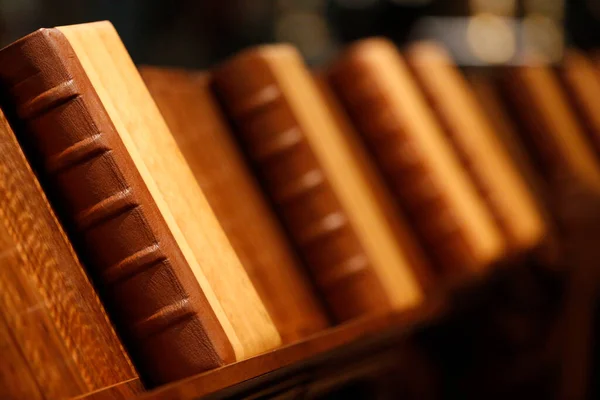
164	318
490	101
371	80
272	133
189	108
579	78
482	154
402	232
56	327
549	128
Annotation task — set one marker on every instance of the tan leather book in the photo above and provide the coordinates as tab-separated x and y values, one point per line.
549	126
420	166
317	186
382	196
489	98
198	125
482	153
56	339
169	276
581	81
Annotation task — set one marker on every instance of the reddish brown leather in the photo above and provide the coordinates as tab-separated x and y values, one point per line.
401	161
165	320
194	118
291	173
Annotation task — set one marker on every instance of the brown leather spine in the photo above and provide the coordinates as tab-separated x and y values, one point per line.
187	104
52	324
400	158
549	127
581	81
296	183
164	318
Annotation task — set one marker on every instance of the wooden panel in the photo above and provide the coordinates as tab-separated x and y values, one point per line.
193	116
122	391
57	339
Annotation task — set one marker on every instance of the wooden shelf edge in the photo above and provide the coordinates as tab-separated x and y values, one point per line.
311	350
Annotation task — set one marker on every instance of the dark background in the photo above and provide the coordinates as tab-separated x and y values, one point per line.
199	33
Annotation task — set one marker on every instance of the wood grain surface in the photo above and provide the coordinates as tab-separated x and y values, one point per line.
126	390
201	131
217	269
482	154
317	186
55	337
384	102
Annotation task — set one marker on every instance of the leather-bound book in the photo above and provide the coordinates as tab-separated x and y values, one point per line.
317	186
486	91
485	87
421	168
169	277
56	340
581	81
553	134
198	125
549	127
482	153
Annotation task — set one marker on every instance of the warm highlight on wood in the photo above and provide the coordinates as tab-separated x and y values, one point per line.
550	126
56	340
317	186
174	188
443	205
198	125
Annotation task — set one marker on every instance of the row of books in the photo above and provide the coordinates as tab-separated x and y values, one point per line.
223	214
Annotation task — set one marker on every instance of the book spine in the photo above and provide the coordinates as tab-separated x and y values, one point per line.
294	179
403	163
166	322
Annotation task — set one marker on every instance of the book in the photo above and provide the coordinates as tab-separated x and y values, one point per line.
481	152
422	170
197	123
382	196
316	185
549	127
169	276
489	98
56	338
580	80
